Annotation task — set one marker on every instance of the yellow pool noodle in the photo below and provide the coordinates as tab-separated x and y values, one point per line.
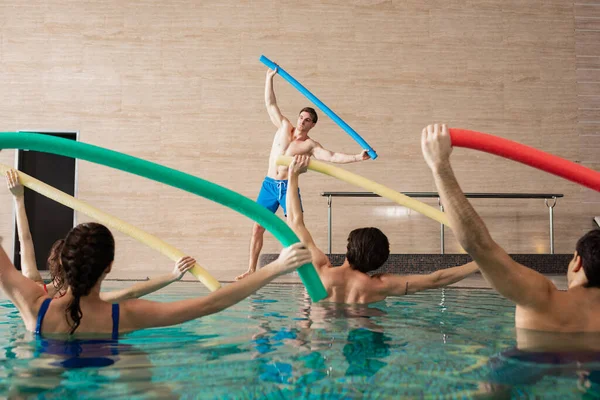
371	186
113	222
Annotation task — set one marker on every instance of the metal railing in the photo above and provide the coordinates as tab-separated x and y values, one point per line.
549	199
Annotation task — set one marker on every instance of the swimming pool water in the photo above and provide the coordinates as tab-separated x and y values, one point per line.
277	345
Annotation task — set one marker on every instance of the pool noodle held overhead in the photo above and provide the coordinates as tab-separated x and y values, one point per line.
340	122
526	155
372	186
113	222
171	177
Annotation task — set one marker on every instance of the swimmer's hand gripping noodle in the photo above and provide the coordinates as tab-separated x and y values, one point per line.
374	187
320	105
169	176
526	155
113	222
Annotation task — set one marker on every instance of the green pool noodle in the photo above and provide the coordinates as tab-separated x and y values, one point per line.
169	176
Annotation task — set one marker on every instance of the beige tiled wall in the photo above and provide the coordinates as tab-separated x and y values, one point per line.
587	47
179	83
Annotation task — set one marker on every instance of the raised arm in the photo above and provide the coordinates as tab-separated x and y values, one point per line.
139	314
400	285
323	154
295	216
28	263
514	281
271	102
138	290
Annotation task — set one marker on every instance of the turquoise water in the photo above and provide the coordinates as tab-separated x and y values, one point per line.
276	344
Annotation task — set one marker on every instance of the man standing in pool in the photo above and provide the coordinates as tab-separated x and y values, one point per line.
289	141
540	306
367	250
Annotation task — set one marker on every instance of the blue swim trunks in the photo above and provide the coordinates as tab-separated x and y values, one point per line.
272	194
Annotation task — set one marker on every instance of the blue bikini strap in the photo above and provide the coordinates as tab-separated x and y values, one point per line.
115	319
41	315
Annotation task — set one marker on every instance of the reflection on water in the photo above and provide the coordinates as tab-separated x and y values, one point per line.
365	352
277	344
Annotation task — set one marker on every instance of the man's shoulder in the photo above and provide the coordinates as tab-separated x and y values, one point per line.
370	287
285	127
365	281
565	309
382	276
324	264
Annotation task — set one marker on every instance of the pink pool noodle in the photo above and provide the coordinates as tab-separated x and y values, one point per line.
526	155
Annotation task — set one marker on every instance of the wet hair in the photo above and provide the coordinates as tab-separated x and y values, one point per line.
588	248
312	112
55	267
88	250
368	249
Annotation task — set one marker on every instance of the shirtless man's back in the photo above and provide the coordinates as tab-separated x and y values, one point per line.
346	284
574	310
367	250
539	304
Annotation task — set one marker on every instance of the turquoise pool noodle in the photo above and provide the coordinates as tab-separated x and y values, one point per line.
171	177
341	123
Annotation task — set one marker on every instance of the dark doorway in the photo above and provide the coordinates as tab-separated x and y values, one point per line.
48	220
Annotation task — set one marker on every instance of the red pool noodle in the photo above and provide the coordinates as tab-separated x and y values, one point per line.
526	155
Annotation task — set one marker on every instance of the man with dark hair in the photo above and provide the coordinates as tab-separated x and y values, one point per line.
367	250
588	250
289	141
313	114
540	306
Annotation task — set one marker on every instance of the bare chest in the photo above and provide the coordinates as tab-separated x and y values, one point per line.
298	147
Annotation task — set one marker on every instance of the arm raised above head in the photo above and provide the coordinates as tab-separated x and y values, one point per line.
28	261
271	102
295	216
514	281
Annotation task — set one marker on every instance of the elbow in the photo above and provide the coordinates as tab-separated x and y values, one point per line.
479	245
129	296
34	277
443	278
470	247
210	308
438	279
295	221
295	224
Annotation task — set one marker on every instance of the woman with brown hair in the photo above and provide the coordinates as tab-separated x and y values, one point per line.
56	287
86	258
